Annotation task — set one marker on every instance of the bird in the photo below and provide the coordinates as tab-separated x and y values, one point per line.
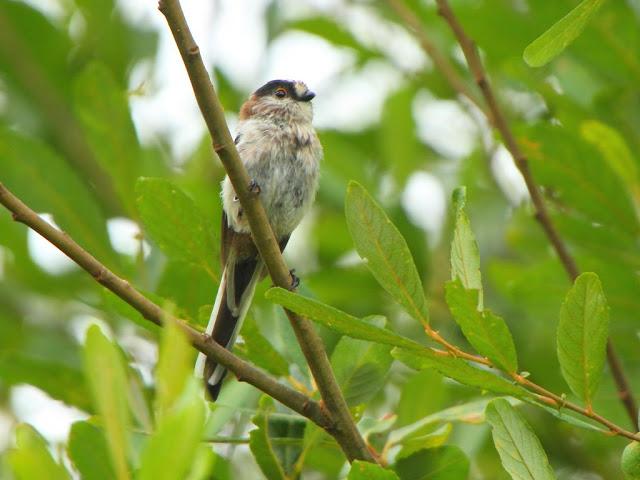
281	152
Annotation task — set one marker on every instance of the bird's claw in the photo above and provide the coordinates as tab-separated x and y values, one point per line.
254	187
295	280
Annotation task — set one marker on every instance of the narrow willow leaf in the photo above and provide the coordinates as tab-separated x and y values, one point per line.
384	249
552	42
370	471
582	336
442	463
414	443
518	446
174	367
361	367
465	257
171	450
458	370
487	332
176	224
107	379
337	320
89	452
31	458
260	443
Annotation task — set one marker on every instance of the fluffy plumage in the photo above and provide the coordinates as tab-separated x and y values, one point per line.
281	152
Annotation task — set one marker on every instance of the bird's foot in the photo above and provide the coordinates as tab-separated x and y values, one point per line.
254	187
295	280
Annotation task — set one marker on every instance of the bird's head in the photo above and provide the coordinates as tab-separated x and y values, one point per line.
280	100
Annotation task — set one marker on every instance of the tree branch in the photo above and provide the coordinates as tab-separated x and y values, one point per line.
499	121
346	433
244	371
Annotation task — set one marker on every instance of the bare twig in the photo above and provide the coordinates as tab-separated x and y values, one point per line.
346	433
499	121
244	371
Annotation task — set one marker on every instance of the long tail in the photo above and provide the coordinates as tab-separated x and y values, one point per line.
235	292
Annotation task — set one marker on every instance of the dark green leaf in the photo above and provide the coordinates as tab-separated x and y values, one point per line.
31	458
89	452
176	224
582	336
384	249
260	443
519	448
552	42
442	463
260	351
360	366
337	320
107	378
369	471
487	332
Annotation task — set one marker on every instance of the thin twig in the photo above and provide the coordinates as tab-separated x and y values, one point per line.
499	121
244	371
346	433
440	61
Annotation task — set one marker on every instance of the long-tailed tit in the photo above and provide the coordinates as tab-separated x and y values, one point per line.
281	152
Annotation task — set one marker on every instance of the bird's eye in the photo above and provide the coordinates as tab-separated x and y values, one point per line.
281	93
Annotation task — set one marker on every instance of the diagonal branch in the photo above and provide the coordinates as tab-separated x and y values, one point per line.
499	121
244	371
346	433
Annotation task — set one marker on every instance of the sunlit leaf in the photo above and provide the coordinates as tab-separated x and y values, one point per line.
552	42
107	378
518	446
384	249
31	458
582	336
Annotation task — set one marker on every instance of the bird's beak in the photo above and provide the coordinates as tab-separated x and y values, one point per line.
307	97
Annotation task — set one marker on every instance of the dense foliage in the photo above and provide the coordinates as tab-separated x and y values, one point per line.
489	283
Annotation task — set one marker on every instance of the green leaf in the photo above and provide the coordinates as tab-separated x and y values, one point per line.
176	223
414	443
630	462
465	257
174	367
370	471
616	153
582	336
384	249
31	458
442	463
260	443
89	452
487	332
552	42
361	367
337	320
457	369
171	450
107	379
519	448
46	183
260	351
103	108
